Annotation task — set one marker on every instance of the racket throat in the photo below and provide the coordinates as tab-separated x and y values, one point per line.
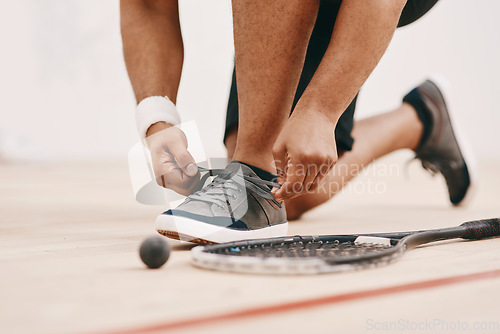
423	238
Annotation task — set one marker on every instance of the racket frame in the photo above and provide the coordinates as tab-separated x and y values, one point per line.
203	256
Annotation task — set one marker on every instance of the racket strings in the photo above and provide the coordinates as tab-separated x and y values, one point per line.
329	249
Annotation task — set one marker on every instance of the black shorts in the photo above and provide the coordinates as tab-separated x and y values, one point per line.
318	44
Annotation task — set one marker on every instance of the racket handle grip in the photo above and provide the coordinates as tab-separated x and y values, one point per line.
480	229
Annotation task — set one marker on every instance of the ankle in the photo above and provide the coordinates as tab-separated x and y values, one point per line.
258	159
414	128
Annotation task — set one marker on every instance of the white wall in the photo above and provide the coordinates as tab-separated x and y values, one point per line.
65	92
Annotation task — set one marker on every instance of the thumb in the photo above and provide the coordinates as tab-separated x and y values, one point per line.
184	159
178	147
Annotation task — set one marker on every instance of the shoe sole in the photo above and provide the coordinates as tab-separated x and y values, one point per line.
463	143
185	229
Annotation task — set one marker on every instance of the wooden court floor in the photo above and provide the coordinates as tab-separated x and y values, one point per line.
69	234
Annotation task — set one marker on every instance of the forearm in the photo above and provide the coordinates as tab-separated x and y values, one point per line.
362	33
152	46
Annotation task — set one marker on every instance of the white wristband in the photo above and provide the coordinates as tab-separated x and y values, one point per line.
155	109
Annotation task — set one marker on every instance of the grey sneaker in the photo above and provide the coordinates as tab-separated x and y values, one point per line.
442	149
236	205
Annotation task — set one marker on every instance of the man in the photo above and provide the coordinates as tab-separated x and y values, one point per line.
304	56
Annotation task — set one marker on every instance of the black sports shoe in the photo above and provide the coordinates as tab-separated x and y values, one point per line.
442	149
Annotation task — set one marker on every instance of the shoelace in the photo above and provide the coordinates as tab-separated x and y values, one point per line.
217	191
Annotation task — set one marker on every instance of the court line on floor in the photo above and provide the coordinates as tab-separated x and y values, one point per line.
313	302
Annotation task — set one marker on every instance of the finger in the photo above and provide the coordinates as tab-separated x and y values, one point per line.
170	177
322	175
294	181
280	161
318	180
311	174
187	163
166	170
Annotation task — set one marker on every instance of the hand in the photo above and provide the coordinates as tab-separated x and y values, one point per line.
304	153
173	165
